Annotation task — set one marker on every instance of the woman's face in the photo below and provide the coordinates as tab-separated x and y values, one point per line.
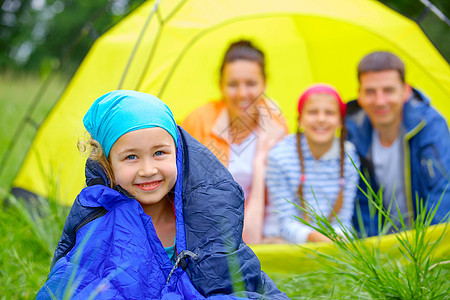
320	118
242	83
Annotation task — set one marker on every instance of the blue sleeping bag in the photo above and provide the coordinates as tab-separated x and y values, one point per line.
109	248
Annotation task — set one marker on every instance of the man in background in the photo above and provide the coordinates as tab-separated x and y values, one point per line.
403	142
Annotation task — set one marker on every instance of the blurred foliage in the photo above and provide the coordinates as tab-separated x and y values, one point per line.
436	29
43	35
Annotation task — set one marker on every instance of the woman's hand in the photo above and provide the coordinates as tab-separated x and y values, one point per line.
316	237
269	136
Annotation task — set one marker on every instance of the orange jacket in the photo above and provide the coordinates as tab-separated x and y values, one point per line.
210	125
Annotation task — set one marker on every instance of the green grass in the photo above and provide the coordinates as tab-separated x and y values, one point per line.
321	284
23	259
410	270
27	244
18	95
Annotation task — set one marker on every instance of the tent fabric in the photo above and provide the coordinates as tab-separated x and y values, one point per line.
119	255
173	50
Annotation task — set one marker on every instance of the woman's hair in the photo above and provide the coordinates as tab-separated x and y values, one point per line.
243	50
317	89
96	153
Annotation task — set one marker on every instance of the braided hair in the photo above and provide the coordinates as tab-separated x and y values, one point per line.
316	89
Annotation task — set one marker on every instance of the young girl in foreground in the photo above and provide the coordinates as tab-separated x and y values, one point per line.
312	167
156	200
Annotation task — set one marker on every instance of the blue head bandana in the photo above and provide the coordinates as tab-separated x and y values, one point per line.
118	112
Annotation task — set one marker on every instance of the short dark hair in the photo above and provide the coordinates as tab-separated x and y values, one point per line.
381	61
243	50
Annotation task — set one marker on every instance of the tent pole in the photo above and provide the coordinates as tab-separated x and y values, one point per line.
138	42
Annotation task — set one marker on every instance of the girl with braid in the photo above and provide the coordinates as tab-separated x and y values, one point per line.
312	169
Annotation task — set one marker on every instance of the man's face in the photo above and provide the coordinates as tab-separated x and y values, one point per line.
382	95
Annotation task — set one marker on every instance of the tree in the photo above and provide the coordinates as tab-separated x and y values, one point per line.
430	21
37	34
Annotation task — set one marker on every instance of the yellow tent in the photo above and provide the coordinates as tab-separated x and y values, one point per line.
173	49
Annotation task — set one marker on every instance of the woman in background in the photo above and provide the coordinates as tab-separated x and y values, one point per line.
241	128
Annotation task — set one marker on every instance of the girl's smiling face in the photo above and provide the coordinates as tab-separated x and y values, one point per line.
144	164
320	118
